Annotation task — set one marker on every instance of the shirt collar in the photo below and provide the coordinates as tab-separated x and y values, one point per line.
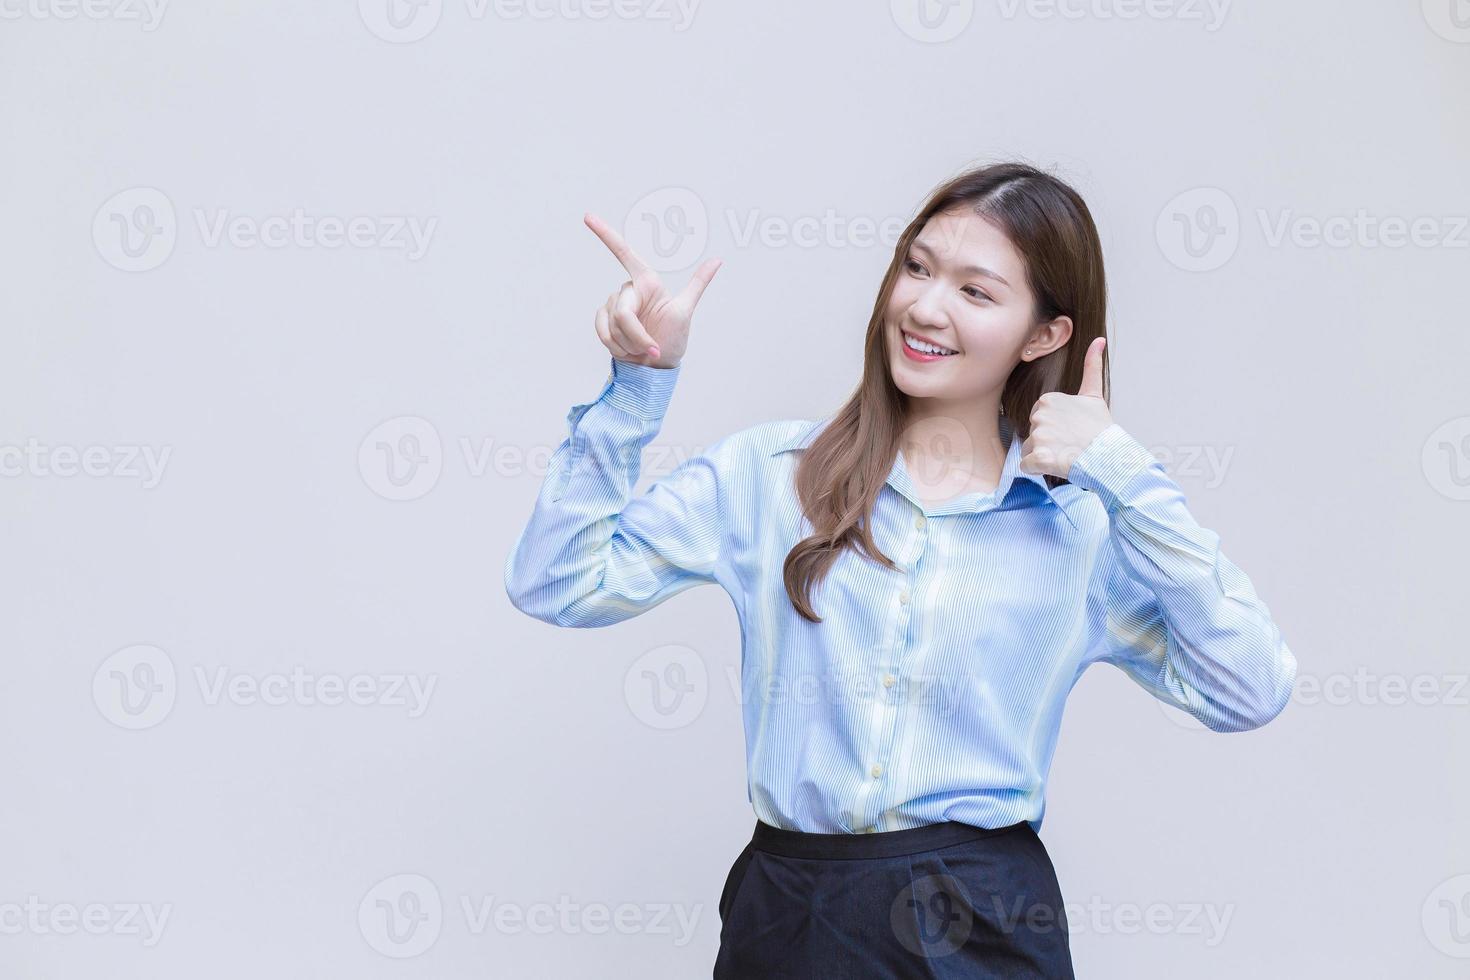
1011	475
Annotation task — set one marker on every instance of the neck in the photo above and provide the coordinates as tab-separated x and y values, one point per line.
966	435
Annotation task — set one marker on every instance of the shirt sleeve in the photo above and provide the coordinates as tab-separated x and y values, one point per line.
590	556
1181	619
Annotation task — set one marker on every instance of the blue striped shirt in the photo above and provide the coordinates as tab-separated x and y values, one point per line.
930	693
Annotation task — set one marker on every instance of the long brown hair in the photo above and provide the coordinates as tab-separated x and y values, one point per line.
840	474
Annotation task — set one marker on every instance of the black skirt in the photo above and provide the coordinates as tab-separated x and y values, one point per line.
944	900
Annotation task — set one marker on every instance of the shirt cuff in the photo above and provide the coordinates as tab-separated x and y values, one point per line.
1110	464
641	390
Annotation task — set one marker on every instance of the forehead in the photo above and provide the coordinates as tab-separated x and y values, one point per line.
967	240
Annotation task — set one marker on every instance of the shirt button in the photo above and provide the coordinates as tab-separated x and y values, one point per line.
876	771
903	597
888	680
918	522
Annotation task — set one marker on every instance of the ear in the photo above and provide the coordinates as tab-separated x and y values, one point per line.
1049	336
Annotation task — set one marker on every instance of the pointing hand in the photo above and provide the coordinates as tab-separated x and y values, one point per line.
642	323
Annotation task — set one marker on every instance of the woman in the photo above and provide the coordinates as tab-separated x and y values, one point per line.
943	557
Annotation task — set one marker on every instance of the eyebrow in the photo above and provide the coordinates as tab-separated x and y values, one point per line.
979	270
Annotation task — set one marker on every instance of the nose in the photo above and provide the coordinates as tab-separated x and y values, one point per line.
927	309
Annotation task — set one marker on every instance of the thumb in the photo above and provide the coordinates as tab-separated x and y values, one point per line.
1092	369
696	286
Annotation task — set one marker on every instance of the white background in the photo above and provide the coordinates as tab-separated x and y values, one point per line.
1327	380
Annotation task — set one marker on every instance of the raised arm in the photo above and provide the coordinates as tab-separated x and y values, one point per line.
1181	619
590	555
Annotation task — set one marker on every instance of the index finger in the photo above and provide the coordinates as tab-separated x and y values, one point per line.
629	258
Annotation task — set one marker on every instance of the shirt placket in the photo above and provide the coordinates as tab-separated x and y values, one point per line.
891	681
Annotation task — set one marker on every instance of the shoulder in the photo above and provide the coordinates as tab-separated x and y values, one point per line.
750	461
768	439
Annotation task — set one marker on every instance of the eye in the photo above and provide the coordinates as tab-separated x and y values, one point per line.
914	267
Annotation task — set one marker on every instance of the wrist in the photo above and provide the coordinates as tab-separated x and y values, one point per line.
643	390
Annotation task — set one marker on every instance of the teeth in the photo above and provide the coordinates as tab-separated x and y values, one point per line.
924	348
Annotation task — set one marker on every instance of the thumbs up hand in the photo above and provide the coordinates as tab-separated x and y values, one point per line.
1063	425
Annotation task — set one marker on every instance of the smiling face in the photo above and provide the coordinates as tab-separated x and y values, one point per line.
963	287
